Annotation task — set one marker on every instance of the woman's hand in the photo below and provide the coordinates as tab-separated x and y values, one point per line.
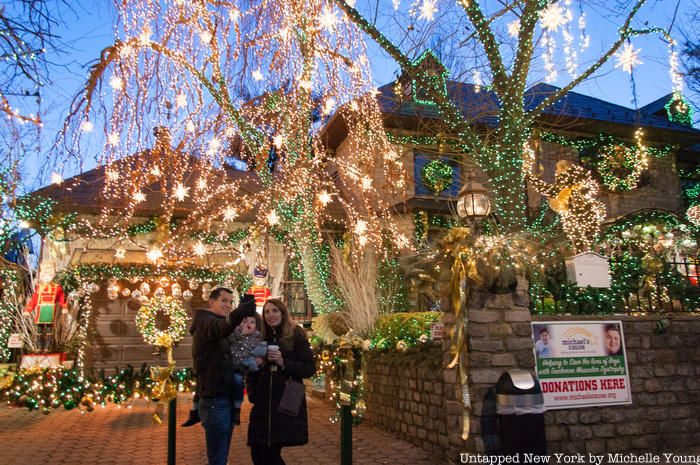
275	356
259	361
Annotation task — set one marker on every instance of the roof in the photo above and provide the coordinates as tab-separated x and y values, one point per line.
84	193
600	114
657	105
573	112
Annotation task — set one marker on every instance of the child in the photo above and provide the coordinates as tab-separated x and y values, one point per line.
245	348
542	346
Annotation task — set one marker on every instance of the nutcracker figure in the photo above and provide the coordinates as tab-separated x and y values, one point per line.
46	298
259	288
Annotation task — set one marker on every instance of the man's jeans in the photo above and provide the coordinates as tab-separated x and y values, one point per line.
217	419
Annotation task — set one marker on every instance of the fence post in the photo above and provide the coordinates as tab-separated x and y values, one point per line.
345	434
172	424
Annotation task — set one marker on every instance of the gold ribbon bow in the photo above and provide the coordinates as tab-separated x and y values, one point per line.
163	390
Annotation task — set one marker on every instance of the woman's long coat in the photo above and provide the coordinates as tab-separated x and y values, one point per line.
267	426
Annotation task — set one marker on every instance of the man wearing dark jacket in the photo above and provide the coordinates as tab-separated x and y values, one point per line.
212	362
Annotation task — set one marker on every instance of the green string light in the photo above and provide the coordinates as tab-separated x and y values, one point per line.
679	110
437	175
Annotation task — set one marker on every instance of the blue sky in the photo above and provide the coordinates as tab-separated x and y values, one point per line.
89	27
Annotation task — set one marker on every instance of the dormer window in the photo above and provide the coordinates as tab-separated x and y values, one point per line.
434	79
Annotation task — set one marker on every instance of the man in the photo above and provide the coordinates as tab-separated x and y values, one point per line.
212	362
613	340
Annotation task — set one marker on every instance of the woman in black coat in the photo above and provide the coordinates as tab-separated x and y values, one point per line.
269	430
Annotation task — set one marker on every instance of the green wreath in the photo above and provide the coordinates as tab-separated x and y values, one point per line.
621	166
437	175
146	321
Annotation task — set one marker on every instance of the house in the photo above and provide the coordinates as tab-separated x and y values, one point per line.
424	207
578	128
113	267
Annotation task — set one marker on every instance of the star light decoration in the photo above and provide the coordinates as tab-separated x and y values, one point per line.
514	28
628	58
230	213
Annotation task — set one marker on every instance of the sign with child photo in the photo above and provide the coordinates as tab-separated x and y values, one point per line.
581	363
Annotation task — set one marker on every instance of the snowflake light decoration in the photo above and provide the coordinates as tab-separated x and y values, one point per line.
428	10
628	58
552	17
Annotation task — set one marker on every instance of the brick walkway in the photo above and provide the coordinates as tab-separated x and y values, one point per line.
114	436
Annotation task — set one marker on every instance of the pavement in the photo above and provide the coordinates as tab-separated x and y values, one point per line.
120	436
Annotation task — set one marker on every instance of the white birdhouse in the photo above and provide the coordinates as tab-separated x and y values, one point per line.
588	269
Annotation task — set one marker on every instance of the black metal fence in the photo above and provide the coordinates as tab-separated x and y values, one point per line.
672	287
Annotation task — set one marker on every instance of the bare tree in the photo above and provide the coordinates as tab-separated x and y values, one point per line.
691	52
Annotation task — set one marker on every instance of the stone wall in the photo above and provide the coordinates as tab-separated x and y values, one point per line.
413	397
664	371
409	395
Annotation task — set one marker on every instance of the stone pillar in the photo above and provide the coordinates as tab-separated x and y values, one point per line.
499	338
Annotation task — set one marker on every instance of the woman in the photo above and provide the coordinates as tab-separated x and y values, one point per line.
269	430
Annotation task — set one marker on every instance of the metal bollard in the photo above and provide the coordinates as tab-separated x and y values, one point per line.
345	434
172	424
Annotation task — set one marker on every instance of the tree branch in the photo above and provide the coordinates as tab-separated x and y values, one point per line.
523	55
450	112
488	41
625	32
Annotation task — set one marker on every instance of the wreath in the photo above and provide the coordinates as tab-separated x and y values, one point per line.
437	176
146	321
621	166
678	110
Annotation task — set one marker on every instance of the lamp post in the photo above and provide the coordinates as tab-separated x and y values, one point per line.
473	202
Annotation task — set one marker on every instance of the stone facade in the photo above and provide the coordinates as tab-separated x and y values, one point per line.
660	186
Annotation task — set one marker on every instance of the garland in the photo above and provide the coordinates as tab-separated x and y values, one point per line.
70	278
39	212
437	176
618	157
48	389
679	111
612	156
146	321
9	283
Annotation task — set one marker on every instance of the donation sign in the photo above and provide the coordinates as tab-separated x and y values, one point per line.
581	363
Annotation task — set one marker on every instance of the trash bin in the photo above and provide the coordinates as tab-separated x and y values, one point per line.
520	413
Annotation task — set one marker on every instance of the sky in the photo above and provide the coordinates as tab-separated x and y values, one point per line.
88	29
